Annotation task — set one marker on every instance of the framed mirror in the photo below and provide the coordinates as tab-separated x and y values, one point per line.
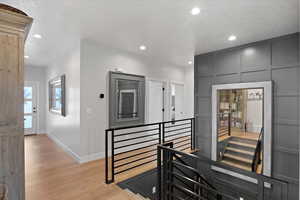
242	126
57	95
127	99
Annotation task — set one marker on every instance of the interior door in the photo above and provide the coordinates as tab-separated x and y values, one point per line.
30	108
156	101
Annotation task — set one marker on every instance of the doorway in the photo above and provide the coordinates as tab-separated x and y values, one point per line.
30	108
177	101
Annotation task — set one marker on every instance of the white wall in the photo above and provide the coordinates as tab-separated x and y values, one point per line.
189	91
96	62
38	74
66	130
254	115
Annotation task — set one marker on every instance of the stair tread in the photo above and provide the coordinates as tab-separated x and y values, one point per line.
246	160
242	144
251	153
236	165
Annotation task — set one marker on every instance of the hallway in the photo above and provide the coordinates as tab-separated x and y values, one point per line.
51	174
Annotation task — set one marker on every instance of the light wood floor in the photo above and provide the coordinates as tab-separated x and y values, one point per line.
51	174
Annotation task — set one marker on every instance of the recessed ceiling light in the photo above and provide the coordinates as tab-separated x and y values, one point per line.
143	47
38	36
190	62
195	11
232	38
26	57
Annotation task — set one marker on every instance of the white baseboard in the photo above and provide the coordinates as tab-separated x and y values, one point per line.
64	147
79	159
92	157
41	132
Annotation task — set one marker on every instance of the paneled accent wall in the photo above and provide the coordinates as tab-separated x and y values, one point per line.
275	59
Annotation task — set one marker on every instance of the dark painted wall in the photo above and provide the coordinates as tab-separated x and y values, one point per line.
275	59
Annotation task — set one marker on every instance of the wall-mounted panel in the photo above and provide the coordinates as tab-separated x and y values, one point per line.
286	110
285	51
227	62
204	66
204	105
256	57
286	81
204	85
283	163
204	127
286	136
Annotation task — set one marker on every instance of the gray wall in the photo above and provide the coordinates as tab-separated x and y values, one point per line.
275	59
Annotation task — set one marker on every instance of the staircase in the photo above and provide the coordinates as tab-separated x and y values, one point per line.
135	196
240	152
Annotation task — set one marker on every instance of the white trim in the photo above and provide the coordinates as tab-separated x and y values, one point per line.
64	147
268	101
75	156
92	157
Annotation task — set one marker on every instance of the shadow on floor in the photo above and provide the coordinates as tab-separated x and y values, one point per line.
143	184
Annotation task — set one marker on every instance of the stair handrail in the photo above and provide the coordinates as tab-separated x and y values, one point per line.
256	158
201	179
260	178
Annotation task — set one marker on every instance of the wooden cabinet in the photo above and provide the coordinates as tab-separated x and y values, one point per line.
14	26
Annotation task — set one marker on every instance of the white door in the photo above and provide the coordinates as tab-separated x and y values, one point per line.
156	101
177	101
30	108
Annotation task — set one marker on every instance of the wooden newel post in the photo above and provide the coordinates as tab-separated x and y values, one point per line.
14	27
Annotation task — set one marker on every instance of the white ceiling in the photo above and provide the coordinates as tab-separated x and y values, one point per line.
166	27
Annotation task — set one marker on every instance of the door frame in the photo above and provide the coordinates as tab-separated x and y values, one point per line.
35	118
165	99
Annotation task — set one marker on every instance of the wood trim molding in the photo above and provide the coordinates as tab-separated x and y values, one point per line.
16	21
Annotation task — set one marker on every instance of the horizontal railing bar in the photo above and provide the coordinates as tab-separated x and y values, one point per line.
201	185
177	125
143	125
135	155
117	154
177	134
187	191
183	145
181	181
125	140
136	160
178	138
134	167
189	139
135	132
128	145
187	167
179	129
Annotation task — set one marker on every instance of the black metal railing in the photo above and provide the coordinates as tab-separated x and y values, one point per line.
258	150
175	182
131	147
